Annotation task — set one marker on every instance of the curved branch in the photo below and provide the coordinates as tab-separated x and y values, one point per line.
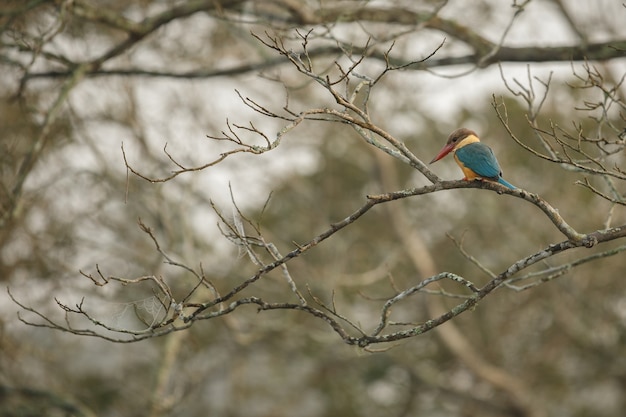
549	211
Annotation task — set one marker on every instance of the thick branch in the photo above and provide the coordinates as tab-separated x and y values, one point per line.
566	53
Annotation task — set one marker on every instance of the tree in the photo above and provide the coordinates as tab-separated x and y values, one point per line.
333	80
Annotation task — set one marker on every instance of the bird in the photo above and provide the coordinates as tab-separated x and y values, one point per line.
477	160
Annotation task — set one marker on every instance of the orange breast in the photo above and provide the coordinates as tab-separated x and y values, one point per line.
469	174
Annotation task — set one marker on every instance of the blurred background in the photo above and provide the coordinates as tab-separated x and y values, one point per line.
82	80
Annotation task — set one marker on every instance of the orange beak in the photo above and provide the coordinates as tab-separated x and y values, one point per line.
443	152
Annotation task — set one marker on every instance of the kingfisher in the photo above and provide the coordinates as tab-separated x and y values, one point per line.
476	159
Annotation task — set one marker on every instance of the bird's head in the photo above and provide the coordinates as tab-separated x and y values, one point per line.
457	139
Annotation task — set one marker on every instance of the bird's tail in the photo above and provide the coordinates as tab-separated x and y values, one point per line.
506	183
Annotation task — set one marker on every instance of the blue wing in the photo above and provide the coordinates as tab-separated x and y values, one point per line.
479	158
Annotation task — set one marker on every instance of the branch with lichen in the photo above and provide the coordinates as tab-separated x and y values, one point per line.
349	91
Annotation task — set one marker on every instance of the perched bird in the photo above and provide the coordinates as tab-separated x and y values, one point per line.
476	159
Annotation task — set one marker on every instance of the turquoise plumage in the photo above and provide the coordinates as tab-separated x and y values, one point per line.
477	160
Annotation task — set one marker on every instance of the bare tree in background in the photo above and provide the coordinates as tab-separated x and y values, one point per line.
331	67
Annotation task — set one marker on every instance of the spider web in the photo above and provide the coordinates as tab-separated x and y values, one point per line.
134	315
